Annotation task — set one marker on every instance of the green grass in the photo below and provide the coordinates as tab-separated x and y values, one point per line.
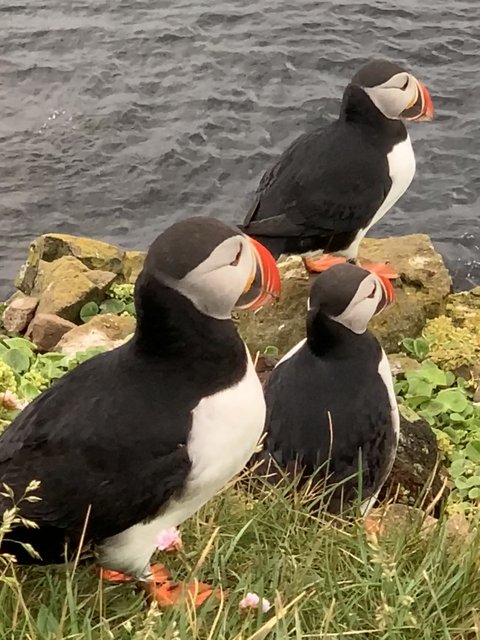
325	579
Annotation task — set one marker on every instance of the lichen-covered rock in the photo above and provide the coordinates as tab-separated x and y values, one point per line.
105	330
421	291
65	285
19	313
132	265
46	329
94	254
454	338
464	307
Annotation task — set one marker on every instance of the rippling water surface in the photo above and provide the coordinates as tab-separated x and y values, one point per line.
117	118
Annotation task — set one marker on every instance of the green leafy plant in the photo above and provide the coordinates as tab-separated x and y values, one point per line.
445	402
417	347
25	373
119	302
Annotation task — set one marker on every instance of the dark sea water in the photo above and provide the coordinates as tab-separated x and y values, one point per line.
118	117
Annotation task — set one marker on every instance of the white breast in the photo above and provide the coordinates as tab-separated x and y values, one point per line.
385	373
292	351
401	168
225	430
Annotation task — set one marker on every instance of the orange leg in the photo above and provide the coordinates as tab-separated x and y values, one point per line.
160	575
383	271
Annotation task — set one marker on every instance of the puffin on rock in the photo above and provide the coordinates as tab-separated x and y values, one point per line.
332	414
136	440
333	184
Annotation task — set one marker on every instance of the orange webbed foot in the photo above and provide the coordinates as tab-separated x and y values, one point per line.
171	593
317	265
381	269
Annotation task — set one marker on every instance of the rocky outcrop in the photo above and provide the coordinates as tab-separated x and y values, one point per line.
93	254
46	329
65	272
421	293
65	285
105	330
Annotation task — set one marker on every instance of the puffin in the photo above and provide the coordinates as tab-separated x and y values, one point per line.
135	440
332	415
331	185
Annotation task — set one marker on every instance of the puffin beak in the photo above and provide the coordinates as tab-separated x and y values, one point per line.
422	107
263	285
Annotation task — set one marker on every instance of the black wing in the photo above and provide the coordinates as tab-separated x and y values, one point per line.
123	454
327	182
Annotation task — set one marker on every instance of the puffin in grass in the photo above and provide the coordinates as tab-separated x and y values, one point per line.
333	184
332	415
135	440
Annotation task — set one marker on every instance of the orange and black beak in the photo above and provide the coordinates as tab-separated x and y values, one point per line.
422	106
264	284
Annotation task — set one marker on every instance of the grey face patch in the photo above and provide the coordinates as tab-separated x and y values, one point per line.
333	290
183	246
375	73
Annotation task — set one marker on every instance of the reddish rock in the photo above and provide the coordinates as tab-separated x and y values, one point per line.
19	313
46	329
105	330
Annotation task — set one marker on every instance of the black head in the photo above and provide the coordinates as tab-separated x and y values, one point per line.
376	72
395	92
348	295
212	264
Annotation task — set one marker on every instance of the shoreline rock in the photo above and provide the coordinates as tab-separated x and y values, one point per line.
19	313
46	329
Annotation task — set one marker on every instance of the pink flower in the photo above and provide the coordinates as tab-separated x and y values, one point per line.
252	601
169	540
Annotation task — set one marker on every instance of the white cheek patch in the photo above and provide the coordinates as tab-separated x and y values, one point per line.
390	98
362	308
215	285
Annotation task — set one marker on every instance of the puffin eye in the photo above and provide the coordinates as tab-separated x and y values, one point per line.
237	257
406	84
372	294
